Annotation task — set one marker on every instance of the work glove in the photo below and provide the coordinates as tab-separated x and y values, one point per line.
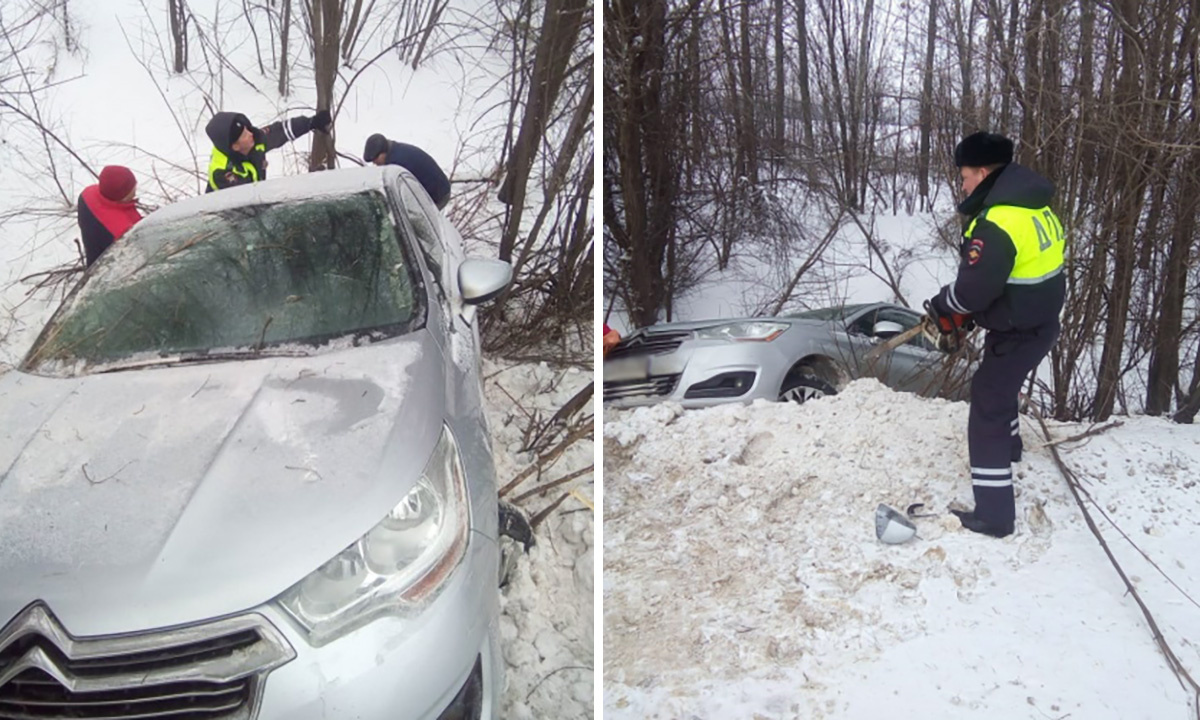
321	121
952	327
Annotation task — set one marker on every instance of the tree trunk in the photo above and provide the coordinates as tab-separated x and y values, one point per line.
926	119
749	137
285	23
1132	171
326	18
560	27
351	30
802	68
178	14
779	146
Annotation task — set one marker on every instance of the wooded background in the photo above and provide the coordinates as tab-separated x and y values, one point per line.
715	109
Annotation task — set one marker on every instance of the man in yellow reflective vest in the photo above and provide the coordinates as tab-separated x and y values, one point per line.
239	153
1010	282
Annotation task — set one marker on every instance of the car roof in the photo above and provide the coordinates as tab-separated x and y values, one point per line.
293	187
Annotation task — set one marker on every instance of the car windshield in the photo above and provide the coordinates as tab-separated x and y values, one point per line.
827	313
277	278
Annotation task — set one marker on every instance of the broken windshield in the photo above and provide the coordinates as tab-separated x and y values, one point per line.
254	278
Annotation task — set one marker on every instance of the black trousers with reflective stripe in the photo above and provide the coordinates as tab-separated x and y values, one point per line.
994	443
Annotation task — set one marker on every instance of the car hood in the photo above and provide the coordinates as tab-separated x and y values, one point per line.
148	498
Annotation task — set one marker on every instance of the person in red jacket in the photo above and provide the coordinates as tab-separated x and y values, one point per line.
611	338
107	210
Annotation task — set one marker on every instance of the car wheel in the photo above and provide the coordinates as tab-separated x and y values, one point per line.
804	385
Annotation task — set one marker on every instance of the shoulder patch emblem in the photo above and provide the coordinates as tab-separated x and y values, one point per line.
975	251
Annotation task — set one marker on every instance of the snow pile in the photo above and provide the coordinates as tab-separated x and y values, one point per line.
547	623
743	577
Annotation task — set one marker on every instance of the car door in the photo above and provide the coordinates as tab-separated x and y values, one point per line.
441	246
853	343
913	365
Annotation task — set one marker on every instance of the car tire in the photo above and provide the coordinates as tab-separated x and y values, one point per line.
803	385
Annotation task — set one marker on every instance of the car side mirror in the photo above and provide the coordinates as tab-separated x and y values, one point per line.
482	280
886	328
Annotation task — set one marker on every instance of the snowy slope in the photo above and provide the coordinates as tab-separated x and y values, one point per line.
547	625
742	576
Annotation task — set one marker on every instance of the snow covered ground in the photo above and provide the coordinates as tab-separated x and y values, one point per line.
547	625
742	577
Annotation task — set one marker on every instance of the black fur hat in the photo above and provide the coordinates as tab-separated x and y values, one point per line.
983	149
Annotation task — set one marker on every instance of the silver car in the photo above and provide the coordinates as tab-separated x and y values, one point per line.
789	357
245	471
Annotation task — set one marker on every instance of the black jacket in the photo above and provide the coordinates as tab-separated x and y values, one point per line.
233	171
423	167
982	287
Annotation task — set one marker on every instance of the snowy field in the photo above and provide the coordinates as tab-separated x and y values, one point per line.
742	577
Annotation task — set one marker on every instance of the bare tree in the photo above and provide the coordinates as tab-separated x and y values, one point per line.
560	28
179	35
285	26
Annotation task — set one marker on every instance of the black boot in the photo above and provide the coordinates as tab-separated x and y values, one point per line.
974	524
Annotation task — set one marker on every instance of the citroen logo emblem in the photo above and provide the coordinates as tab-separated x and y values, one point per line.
35	621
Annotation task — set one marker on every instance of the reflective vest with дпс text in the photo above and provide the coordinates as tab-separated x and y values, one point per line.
220	163
1037	236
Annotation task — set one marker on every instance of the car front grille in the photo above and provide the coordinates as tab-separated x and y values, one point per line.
644	343
213	671
653	386
34	695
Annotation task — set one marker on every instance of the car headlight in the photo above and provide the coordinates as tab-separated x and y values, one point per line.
399	564
753	331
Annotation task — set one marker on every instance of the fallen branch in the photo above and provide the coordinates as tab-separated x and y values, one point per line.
547	487
548	457
552	674
545	513
1090	432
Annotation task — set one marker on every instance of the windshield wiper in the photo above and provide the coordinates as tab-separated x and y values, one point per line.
192	358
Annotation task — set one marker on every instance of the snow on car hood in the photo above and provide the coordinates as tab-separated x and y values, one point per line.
147	498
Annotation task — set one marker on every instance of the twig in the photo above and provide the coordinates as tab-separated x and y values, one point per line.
1090	432
547	487
110	477
303	469
547	457
202	386
545	513
551	674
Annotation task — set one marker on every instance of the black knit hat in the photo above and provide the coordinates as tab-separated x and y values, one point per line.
375	144
983	149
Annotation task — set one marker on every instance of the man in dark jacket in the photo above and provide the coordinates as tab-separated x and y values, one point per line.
381	151
1010	282
107	210
239	153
